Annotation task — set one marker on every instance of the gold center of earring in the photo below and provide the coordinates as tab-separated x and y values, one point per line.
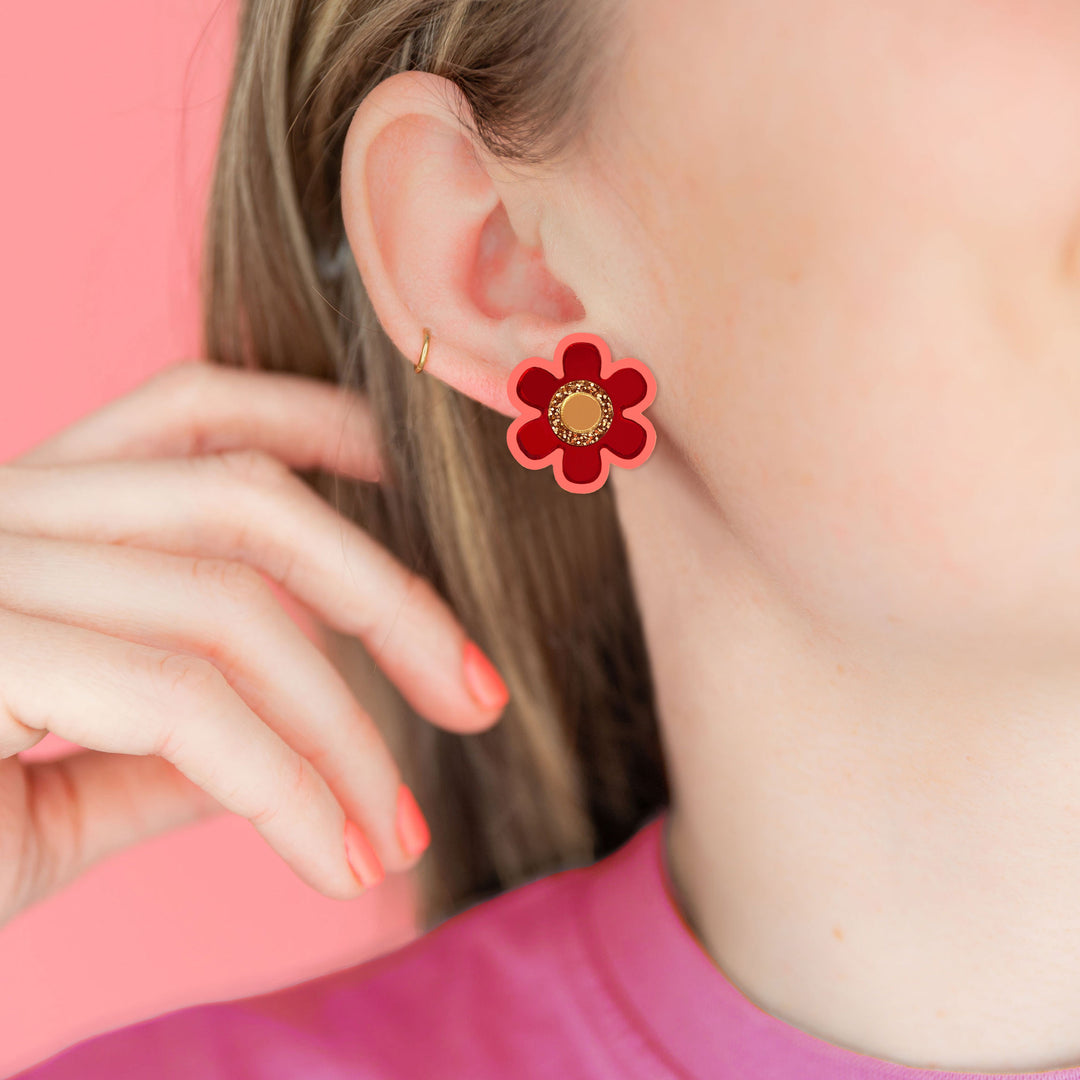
580	412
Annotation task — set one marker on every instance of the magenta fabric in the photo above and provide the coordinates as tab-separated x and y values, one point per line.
587	974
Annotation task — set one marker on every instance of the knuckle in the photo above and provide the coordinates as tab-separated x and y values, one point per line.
415	590
183	373
264	494
15	736
184	676
250	466
168	744
280	561
185	382
240	584
289	790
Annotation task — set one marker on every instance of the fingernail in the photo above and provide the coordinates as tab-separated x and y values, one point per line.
484	682
362	858
413	832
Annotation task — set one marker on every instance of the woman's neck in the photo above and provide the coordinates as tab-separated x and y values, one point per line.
876	846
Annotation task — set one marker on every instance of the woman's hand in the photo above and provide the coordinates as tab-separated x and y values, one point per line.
134	621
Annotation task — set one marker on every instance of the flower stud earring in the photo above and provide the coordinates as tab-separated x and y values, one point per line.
578	406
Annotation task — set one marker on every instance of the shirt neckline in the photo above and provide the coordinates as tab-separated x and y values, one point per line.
672	988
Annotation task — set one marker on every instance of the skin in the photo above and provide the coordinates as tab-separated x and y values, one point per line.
139	551
846	240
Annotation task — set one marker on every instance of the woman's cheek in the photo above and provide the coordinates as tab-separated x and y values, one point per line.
877	449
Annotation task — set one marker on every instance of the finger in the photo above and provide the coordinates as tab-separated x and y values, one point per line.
105	693
245	506
198	407
87	805
227	613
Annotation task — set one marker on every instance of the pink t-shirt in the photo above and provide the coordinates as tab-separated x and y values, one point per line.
586	974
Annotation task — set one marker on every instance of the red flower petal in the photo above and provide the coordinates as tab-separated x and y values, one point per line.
536	438
581	360
626	387
536	386
625	438
581	464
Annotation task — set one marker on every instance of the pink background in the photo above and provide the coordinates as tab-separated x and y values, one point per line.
112	111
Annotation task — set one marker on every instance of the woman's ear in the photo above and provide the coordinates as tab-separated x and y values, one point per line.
446	237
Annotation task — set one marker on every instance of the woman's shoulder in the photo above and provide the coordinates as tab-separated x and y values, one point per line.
464	998
496	957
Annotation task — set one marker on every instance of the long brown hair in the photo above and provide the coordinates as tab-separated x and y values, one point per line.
537	575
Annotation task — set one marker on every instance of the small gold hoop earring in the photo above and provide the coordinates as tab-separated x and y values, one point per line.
419	365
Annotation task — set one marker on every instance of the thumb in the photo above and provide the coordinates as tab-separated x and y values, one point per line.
90	804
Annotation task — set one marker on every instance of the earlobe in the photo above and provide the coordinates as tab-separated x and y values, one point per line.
442	240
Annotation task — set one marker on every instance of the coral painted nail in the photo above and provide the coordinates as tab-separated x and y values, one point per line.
484	682
413	832
362	858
